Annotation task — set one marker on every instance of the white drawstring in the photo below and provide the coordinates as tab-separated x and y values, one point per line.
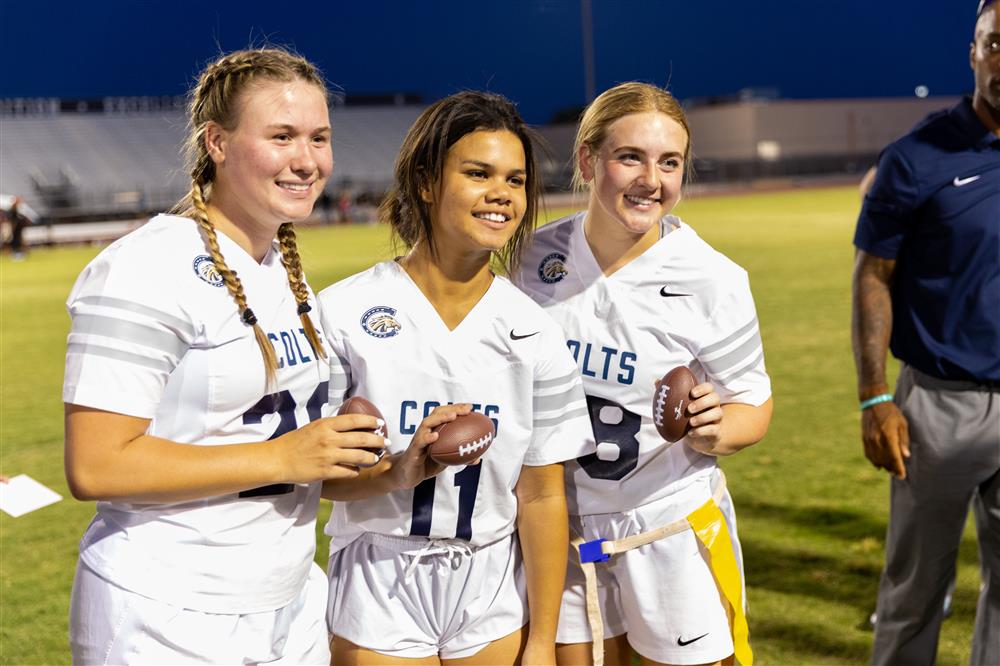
455	549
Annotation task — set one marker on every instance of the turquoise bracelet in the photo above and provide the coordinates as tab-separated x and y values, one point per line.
870	402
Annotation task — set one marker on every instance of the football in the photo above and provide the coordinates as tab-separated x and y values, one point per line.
670	403
359	405
462	441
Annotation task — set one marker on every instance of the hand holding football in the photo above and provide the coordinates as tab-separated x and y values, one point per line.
359	405
670	403
462	441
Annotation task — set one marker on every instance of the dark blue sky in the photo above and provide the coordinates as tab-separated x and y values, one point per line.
529	50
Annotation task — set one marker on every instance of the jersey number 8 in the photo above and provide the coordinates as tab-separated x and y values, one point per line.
615	429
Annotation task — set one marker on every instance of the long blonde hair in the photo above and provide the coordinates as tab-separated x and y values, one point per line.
623	100
215	98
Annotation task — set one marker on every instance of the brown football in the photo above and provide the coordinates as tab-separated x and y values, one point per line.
463	440
670	403
359	405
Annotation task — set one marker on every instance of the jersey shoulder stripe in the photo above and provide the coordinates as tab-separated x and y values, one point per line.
722	360
100	301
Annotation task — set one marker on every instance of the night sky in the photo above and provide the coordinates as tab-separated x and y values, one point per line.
529	50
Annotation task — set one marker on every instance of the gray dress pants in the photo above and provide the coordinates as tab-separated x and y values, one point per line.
954	457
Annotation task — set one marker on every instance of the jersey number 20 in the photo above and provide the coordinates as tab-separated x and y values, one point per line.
284	405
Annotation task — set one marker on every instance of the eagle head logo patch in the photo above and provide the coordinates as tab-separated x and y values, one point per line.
205	269
380	322
553	268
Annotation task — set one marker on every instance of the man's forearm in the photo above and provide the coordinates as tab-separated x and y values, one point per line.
871	321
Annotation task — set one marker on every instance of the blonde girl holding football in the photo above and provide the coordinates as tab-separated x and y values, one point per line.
195	383
637	293
461	565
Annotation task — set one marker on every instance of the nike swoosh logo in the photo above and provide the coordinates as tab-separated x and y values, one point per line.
515	336
668	294
683	643
958	182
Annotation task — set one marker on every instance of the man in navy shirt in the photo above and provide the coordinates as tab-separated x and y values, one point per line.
927	285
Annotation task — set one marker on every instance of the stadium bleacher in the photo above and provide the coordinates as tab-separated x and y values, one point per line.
120	158
131	162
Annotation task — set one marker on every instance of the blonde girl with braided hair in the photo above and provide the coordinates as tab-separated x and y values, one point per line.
196	387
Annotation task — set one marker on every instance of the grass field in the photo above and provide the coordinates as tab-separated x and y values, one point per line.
812	510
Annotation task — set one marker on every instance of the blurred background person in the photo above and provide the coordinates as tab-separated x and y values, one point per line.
16	214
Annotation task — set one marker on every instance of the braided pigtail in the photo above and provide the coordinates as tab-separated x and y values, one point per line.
199	212
293	266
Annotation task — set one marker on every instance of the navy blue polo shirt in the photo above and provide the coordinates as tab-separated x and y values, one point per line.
935	208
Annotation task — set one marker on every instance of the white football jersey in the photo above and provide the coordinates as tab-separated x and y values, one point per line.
507	358
155	334
679	303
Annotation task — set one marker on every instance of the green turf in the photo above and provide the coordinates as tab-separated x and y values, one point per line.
812	511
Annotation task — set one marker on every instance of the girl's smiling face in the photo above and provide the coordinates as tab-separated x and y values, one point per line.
636	174
272	166
480	198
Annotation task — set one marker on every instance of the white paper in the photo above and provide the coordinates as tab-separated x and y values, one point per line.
22	494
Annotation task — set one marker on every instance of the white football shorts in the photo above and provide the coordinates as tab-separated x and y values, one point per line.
662	595
111	625
418	597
